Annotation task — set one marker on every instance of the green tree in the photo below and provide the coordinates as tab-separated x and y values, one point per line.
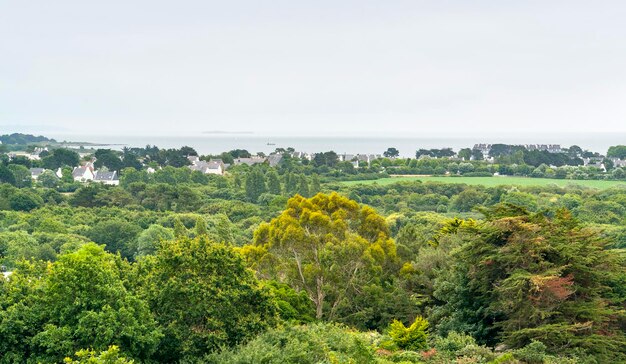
117	235
109	159
22	175
303	186
327	246
316	186
391	153
80	301
180	230
201	227
521	276
273	183
24	201
150	239
255	184
467	200
204	297
61	157
6	176
465	154
48	179
617	151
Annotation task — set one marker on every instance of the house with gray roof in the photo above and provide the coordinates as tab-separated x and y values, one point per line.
107	177
275	159
83	174
255	159
214	166
36	172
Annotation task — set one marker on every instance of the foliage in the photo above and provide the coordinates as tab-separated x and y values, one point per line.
51	311
522	276
110	356
327	246
413	337
117	235
315	343
203	296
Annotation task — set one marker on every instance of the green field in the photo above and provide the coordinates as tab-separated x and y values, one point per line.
496	181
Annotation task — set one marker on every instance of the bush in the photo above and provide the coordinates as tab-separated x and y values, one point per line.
413	337
453	343
309	344
533	353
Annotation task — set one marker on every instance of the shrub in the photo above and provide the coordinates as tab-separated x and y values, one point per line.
413	337
307	344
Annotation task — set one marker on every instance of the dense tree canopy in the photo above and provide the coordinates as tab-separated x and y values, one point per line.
203	296
523	277
50	312
326	246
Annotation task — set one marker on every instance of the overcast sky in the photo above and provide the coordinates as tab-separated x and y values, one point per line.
186	66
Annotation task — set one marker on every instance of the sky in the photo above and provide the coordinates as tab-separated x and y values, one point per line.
312	67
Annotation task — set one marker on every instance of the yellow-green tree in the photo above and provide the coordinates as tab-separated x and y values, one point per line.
327	246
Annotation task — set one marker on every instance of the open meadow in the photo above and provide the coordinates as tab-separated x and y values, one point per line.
496	181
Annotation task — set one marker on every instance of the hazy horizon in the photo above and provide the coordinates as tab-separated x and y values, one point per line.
312	68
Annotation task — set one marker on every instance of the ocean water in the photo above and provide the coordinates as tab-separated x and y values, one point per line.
407	145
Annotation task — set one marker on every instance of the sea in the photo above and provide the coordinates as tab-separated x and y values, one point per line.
365	144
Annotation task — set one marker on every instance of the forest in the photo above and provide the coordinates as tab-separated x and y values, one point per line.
286	265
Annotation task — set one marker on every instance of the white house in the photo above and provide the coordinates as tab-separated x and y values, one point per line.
214	166
83	174
106	177
36	172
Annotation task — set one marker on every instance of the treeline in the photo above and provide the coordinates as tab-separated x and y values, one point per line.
446	166
23	139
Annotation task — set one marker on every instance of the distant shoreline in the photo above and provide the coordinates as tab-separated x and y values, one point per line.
223	132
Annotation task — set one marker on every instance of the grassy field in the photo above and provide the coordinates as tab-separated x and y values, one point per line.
497	181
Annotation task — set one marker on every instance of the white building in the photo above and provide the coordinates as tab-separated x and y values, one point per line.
83	174
106	177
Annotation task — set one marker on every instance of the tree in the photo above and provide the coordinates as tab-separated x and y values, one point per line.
575	151
466	167
25	201
203	295
327	246
391	153
61	157
117	235
316	186
109	159
291	183
201	227
465	154
477	155
617	151
521	276
255	184
273	183
150	239
80	301
22	175
329	159
467	200
303	186
618	173
48	179
6	176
